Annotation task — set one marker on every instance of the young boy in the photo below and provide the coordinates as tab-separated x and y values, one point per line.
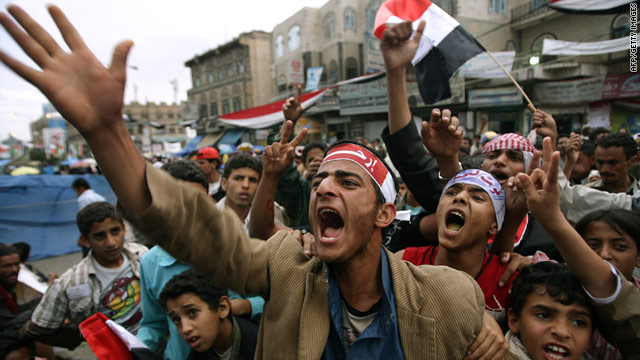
614	297
471	209
106	281
549	314
202	313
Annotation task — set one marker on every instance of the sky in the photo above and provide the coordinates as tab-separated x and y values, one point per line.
166	33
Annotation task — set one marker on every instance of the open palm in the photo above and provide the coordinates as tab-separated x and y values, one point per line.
85	93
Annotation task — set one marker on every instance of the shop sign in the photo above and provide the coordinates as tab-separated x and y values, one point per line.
621	86
503	96
569	92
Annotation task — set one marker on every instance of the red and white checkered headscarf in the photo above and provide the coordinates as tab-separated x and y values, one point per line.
367	161
511	141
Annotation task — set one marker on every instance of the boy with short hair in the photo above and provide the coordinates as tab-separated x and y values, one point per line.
549	314
471	209
109	274
615	299
202	313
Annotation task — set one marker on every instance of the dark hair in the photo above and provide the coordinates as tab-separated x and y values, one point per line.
8	250
187	170
93	213
588	148
379	197
620	220
593	135
310	146
547	277
13	340
629	146
23	250
192	282
239	161
564	135
80	183
192	153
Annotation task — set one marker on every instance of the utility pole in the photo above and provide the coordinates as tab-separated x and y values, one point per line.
174	84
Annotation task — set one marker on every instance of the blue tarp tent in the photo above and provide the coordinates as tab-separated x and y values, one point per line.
41	211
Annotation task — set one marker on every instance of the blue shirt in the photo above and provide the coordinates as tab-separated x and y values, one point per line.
157	267
381	339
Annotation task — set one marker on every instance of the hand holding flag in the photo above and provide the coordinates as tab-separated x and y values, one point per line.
399	46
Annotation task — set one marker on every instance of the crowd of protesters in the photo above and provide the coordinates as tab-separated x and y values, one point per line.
496	247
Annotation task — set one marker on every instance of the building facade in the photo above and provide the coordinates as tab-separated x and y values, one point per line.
155	126
232	77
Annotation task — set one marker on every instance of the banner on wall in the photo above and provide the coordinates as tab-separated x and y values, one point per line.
54	141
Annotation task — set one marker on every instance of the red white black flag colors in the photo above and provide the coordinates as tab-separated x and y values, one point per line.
444	46
591	6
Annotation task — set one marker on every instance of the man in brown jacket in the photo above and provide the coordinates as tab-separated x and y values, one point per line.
354	297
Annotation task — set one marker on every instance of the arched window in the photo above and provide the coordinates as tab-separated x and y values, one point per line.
328	26
350	19
536	47
279	46
293	38
511	45
333	72
537	44
351	67
620	27
370	14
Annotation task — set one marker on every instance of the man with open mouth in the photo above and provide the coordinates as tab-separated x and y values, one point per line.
402	311
471	209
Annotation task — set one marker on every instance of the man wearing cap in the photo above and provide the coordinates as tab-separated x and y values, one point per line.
471	209
208	159
430	312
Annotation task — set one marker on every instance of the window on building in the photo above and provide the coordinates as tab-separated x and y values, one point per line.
214	108
210	77
229	70
350	19
536	48
621	26
282	83
370	14
293	38
242	66
329	26
237	104
220	73
172	130
159	115
225	106
333	75
498	6
511	45
351	67
139	129
203	111
279	46
447	5
170	115
196	80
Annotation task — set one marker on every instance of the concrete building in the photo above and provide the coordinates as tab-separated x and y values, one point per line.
232	77
151	125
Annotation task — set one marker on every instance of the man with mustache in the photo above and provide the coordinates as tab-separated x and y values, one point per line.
615	155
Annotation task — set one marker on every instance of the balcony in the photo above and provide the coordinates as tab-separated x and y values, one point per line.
534	12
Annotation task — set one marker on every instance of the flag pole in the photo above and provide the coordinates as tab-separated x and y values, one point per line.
531	106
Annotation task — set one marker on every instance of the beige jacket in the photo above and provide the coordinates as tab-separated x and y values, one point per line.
439	309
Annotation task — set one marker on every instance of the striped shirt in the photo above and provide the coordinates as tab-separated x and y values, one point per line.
75	295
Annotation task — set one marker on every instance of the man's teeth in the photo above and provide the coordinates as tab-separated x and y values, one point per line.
324	211
457	213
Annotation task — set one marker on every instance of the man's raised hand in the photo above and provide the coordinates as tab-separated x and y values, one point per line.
398	47
442	135
292	107
278	157
85	93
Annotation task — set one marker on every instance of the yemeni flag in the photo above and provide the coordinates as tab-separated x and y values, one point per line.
591	6
271	114
444	46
